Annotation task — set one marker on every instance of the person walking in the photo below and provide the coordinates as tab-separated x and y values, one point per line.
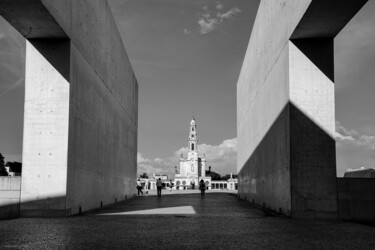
202	187
139	186
159	185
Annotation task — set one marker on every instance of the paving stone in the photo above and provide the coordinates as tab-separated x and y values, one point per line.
183	221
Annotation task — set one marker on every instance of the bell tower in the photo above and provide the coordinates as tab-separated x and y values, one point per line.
193	139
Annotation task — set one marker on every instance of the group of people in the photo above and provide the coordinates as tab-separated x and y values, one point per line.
159	186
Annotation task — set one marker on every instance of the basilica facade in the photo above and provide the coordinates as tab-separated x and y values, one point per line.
193	166
191	171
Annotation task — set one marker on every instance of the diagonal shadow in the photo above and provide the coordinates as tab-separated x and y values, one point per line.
293	169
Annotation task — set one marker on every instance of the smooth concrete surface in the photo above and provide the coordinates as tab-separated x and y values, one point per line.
326	18
10	192
45	140
285	107
312	144
263	161
31	18
88	114
183	221
356	199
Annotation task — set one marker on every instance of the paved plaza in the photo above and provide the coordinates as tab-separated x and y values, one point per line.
183	221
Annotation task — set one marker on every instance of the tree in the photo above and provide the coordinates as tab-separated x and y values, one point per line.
215	176
144	175
3	171
227	177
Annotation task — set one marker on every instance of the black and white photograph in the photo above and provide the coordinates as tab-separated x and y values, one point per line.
187	124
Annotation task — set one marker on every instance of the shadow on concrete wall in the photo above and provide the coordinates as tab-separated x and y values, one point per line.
56	52
298	177
10	190
32	209
11	206
265	179
292	170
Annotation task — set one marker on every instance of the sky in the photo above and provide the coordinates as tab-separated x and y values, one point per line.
187	56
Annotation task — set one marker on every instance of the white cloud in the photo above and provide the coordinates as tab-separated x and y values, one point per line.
354	149
207	23
222	158
352	136
230	13
186	31
156	165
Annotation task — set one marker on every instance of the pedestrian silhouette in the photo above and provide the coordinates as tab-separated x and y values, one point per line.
159	185
139	186
202	187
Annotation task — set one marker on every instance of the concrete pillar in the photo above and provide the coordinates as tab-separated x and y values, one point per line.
285	107
81	107
312	128
46	122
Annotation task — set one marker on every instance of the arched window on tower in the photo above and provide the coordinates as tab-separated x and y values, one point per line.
192	146
192	129
192	167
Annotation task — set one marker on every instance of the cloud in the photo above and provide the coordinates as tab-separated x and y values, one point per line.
155	166
230	13
208	22
352	136
186	31
222	158
207	25
353	149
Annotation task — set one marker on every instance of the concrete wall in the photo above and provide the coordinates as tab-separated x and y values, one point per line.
263	107
45	140
312	144
10	191
81	107
285	107
356	199
104	106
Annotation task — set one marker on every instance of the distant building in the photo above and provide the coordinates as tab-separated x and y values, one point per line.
192	170
13	168
162	177
151	183
193	167
360	173
230	184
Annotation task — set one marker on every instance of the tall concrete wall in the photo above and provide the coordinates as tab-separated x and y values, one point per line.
285	107
46	120
82	99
